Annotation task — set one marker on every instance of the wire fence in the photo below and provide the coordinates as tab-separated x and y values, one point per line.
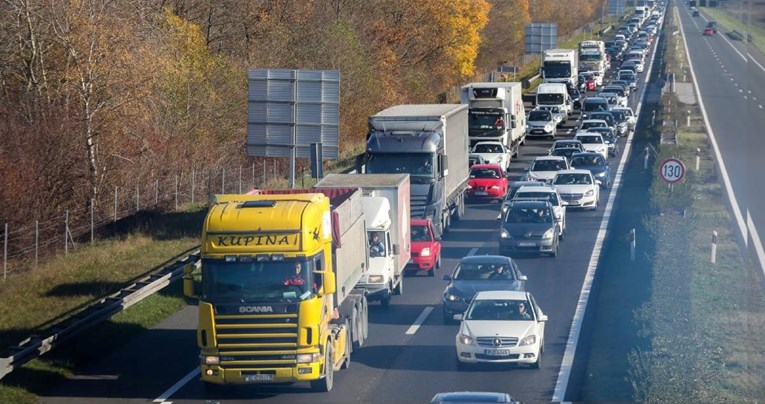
26	245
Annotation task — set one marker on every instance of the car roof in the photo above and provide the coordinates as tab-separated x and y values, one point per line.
486	259
500	294
595	120
585	133
418	222
486	166
566	141
519	184
472	396
549	158
574	171
543	188
487	142
586	154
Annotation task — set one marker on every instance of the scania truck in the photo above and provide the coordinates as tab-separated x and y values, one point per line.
560	66
430	143
386	213
495	113
278	301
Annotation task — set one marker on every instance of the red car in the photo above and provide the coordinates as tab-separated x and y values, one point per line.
487	181
426	250
708	32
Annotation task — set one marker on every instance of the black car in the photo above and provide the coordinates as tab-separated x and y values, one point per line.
576	97
478	273
597	165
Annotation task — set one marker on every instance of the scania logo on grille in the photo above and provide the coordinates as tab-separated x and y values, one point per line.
256	309
497	342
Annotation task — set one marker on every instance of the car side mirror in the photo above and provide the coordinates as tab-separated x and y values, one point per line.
542	318
457	317
564	203
523	278
598	182
447	277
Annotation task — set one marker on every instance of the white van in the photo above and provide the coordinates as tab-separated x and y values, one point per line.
555	95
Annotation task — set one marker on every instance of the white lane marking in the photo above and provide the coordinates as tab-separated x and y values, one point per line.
755	237
473	251
735	84
755	62
742	226
177	386
760	106
746	98
740	90
561	385
731	79
421	319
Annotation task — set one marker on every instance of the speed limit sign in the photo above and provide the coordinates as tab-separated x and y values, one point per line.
672	170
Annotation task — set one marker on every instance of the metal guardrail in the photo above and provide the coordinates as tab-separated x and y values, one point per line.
45	340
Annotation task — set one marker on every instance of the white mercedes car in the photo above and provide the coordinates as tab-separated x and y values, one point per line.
501	327
578	188
543	168
593	142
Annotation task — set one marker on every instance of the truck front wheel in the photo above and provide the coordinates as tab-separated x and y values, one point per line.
324	385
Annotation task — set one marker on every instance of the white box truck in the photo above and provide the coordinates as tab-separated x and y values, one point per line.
386	213
560	66
495	113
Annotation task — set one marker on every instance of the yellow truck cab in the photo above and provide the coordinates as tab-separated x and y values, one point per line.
277	301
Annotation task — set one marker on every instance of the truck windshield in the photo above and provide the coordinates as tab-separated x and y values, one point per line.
596	57
418	165
556	70
550	99
257	282
485	120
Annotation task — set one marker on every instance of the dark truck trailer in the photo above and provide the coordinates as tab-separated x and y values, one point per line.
429	142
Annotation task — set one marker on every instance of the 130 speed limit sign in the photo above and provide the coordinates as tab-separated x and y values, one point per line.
672	170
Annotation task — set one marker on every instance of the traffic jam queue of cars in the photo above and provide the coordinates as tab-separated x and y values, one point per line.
499	320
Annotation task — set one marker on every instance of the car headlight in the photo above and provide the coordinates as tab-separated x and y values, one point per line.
494	187
589	193
425	252
548	127
375	279
531	339
601	174
470	186
548	234
450	297
504	234
308	357
466	339
211	360
504	208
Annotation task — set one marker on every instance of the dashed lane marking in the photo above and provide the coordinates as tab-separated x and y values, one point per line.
418	322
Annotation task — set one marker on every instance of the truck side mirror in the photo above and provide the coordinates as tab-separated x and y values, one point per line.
328	284
513	122
396	249
360	163
188	282
444	165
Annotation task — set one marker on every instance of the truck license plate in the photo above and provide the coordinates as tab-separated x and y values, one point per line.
258	378
496	352
527	244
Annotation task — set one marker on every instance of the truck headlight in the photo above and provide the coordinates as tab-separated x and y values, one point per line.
504	233
211	360
531	339
375	279
425	252
308	357
466	339
548	234
589	193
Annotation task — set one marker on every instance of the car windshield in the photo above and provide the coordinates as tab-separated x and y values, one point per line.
487	148
588	125
540	115
421	233
587	161
257	281
572	179
419	165
526	215
551	98
595	106
565	151
541	196
590	139
499	310
554	110
484	173
567	144
548	165
483	272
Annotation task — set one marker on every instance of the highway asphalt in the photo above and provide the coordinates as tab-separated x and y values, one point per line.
731	80
399	362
